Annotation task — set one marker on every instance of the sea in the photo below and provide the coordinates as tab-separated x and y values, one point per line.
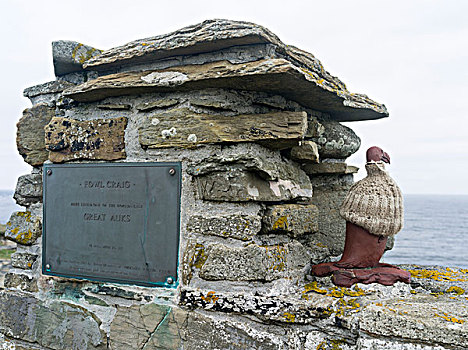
435	230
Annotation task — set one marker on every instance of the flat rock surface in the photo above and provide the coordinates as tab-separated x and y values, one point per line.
30	134
99	139
184	128
276	76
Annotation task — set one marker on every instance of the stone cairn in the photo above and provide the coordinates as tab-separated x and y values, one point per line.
256	126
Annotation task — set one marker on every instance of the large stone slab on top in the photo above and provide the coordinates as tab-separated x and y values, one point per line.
238	55
275	76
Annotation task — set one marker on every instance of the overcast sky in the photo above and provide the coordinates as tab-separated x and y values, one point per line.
410	55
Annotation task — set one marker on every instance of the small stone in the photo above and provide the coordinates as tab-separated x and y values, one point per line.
115	106
249	172
330	168
236	226
20	281
30	134
306	152
335	140
253	262
50	324
69	56
23	228
28	189
23	261
329	193
163	103
50	87
293	219
97	139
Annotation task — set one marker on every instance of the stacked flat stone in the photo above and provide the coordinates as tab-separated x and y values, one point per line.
256	126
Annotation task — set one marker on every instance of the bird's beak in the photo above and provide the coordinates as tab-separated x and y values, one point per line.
386	158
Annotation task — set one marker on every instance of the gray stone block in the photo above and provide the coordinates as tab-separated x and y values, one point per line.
250	172
53	324
30	134
20	281
69	56
28	189
253	262
23	228
333	139
307	152
23	261
152	327
293	219
329	193
237	226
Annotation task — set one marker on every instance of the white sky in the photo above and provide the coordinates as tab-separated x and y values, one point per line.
410	55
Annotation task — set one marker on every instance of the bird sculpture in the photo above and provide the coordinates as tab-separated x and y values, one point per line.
373	210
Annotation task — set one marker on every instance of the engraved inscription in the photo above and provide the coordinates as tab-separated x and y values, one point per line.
112	223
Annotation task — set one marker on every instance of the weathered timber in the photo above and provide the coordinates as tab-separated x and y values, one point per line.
184	128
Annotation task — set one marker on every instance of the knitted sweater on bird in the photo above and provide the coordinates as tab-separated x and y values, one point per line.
375	203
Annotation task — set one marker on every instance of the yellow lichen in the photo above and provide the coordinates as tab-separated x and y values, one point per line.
278	256
312	287
281	223
448	318
456	290
210	297
289	317
447	275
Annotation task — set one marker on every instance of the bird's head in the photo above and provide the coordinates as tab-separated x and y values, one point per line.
377	154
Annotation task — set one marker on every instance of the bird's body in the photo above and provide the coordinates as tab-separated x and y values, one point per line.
375	203
373	210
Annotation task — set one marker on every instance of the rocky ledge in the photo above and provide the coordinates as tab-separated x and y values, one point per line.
221	54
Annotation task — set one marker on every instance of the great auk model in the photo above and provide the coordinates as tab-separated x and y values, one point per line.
373	210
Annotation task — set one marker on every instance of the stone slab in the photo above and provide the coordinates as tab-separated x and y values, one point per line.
23	261
23	227
30	134
98	139
329	168
152	327
219	36
282	309
51	87
236	226
333	139
28	189
329	192
275	76
253	262
69	56
20	281
423	318
184	128
293	219
307	152
54	324
249	172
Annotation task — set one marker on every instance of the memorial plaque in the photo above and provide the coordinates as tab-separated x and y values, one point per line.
113	222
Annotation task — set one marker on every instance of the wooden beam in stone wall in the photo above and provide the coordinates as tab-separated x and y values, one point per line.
185	128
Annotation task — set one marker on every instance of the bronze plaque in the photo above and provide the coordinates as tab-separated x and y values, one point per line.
112	222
